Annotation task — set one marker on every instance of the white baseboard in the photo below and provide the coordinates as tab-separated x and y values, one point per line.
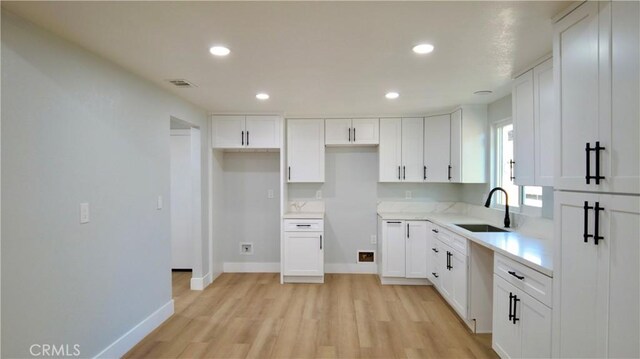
123	344
403	281
351	268
251	267
303	279
202	282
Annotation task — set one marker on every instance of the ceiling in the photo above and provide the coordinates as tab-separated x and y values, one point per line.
313	58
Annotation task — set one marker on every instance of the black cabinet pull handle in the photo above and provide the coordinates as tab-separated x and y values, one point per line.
321	241
587	149
515	275
449	172
354	134
511	176
247	138
349	130
598	177
585	233
408	236
597	150
425	172
515	308
394	222
404	172
449	266
435	274
435	231
596	225
510	305
242	138
398	172
303	225
435	250
289	173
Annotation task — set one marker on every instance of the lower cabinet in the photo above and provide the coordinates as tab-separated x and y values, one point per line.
416	252
303	248
404	249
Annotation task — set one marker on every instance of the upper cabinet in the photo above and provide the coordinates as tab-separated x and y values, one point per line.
245	132
400	153
437	142
469	141
533	126
360	131
596	65
305	150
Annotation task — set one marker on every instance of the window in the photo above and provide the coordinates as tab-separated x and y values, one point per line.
519	196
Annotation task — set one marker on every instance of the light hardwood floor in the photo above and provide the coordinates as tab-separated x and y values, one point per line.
350	316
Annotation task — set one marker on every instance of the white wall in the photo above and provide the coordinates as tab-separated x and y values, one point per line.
182	239
76	128
248	215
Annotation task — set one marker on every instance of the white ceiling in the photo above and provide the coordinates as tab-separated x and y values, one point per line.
313	58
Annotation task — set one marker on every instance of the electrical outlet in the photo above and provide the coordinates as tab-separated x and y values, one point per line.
374	239
318	194
246	249
270	193
407	194
160	203
84	213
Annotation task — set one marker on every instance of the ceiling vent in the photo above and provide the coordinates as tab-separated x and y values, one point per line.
181	83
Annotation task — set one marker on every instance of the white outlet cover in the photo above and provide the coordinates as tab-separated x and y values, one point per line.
270	193
374	239
160	203
318	194
407	194
84	213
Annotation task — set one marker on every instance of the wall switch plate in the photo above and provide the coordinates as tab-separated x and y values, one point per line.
318	194
84	213
160	203
270	193
407	194
374	239
246	249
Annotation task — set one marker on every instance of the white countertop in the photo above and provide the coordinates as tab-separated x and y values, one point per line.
303	215
532	252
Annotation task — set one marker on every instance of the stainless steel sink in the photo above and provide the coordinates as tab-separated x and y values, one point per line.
481	228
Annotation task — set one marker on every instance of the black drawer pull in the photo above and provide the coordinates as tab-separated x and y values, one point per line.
399	172
435	231
303	225
435	274
511	176
349	134
242	138
510	305
515	275
354	134
321	241
596	225
449	173
425	172
393	222
435	250
585	233
515	306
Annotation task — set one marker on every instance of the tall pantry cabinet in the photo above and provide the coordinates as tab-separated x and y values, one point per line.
597	181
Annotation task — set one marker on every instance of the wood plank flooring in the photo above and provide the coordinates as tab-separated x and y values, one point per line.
350	316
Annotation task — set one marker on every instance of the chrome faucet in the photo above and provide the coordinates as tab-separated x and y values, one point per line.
507	221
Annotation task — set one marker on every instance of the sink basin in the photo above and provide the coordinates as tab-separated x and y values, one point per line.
481	228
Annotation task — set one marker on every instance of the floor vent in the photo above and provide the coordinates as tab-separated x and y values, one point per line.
366	257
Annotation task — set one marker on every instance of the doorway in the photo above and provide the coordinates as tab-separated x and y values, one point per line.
186	197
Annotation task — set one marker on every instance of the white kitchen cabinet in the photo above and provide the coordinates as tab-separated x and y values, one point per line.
358	131
458	276
390	150
434	252
437	137
412	166
596	64
521	324
245	132
417	251
468	145
393	249
523	128
303	248
452	269
305	150
596	286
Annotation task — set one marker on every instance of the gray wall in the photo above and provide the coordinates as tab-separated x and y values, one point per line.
351	191
76	128
249	216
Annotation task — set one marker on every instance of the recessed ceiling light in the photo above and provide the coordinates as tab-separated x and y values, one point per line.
392	95
483	92
423	48
219	51
262	96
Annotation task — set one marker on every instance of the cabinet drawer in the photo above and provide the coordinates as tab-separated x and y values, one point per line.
529	280
454	241
303	225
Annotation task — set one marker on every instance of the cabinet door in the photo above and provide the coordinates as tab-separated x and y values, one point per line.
262	132
545	120
305	150
390	150
455	171
303	254
523	129
338	131
446	276
576	60
412	166
227	131
505	339
437	135
417	251
535	327
393	248
619	134
580	269
365	131
459	273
